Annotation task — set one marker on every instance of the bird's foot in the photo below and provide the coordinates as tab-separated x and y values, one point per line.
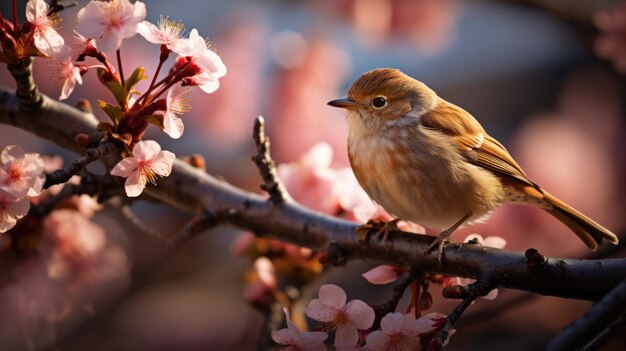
439	242
383	229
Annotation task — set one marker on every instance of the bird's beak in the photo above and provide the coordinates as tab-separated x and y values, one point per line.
344	103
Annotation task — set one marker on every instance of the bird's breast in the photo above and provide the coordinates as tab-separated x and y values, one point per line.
421	179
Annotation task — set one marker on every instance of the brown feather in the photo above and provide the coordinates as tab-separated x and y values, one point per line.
485	151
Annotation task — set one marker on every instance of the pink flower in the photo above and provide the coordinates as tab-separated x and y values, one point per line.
21	174
147	162
177	103
46	38
168	33
266	272
383	274
491	241
296	340
69	74
210	64
12	208
398	332
110	22
331	308
311	181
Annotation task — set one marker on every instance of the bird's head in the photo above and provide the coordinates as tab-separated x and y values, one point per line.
386	97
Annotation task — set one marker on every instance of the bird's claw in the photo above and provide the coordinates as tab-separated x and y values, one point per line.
383	229
439	242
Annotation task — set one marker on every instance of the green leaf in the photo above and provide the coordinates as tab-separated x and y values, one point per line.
114	112
119	92
155	119
135	77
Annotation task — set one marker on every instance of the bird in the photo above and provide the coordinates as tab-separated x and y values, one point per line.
429	161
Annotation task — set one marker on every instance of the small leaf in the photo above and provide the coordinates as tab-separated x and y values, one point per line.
119	92
104	126
135	77
125	138
156	119
114	112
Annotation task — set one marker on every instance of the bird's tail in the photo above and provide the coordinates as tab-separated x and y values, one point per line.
590	232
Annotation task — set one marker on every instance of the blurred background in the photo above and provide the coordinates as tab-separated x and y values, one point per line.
545	77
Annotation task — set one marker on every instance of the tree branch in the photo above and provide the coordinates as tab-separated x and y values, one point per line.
263	160
592	323
194	190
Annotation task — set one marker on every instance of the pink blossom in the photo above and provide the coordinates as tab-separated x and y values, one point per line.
168	33
110	22
296	340
78	254
331	308
46	38
311	181
491	241
383	274
398	332
12	208
147	162
69	73
177	103
210	64
21	174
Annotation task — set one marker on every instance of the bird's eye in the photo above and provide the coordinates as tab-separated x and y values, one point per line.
379	102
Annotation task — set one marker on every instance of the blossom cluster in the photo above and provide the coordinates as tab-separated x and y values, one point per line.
101	27
397	331
21	177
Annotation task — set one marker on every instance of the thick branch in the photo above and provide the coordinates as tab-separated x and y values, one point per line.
585	329
196	191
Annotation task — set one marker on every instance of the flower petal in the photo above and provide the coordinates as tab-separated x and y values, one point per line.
11	154
376	341
383	274
146	150
318	311
173	126
393	323
346	336
361	314
162	163
332	296
125	167
135	184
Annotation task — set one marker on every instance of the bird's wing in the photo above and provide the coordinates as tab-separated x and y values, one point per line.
479	148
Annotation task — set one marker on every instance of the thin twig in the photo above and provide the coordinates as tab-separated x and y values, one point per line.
131	219
119	65
474	291
399	287
587	327
196	226
265	164
91	155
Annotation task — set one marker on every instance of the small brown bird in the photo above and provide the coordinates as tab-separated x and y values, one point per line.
428	161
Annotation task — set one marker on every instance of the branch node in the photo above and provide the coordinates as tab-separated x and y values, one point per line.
535	260
267	167
456	292
334	256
